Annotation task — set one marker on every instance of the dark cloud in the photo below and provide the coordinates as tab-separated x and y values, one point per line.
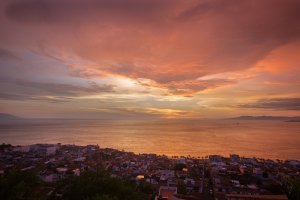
203	7
275	104
66	89
24	97
54	99
52	92
8	55
11	96
56	11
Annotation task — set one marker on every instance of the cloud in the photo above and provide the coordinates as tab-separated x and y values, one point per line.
66	89
151	56
283	59
8	55
52	92
275	104
164	41
24	97
35	11
10	96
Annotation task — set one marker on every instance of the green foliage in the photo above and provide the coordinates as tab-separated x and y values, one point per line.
194	172
179	166
18	185
4	146
181	189
88	186
99	186
274	188
145	187
295	190
265	174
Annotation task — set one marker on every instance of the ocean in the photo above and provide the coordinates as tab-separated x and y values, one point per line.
198	138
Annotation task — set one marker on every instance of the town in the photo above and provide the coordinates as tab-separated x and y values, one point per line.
166	178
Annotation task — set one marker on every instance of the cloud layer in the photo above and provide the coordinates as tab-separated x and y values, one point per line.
172	50
281	104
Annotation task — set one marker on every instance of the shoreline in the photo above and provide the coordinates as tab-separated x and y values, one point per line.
156	154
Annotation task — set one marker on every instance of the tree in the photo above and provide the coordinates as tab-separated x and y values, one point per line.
18	185
181	189
99	186
295	190
179	166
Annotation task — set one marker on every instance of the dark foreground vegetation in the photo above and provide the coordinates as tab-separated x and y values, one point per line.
89	186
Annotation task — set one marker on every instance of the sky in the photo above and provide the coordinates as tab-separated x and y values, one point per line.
149	59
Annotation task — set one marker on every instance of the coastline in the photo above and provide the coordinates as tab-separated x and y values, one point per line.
26	149
176	177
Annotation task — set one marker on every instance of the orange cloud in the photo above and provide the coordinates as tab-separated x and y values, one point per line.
150	49
282	59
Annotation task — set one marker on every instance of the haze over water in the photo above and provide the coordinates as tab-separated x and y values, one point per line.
265	139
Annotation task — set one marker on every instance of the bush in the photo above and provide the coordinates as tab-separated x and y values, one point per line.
96	186
18	185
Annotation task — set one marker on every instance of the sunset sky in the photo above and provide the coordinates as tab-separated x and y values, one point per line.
140	59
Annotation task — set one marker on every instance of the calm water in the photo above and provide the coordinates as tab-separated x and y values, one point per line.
267	139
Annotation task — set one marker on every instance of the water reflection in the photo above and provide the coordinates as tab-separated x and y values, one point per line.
268	139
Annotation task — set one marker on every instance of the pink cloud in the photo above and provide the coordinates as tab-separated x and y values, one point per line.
171	43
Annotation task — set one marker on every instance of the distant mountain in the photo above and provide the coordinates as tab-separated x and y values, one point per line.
291	119
5	116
